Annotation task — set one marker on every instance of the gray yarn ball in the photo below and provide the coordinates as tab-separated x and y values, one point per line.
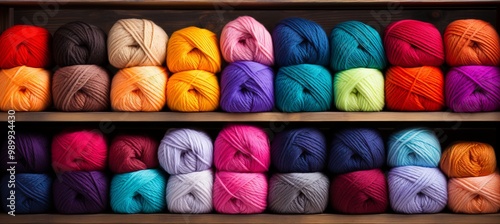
190	192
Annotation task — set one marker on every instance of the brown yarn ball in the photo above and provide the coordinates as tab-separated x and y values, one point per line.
81	88
468	159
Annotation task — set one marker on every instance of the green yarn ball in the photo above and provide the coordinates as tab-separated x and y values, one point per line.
359	89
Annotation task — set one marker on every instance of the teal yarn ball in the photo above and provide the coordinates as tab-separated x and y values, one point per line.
354	44
303	88
141	191
413	147
359	89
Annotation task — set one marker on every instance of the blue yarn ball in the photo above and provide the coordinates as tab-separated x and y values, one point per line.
356	149
413	147
356	45
33	193
303	87
300	41
142	191
301	150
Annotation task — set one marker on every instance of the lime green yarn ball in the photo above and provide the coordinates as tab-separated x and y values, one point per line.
359	89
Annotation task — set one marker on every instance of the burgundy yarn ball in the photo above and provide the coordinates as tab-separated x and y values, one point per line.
129	153
32	153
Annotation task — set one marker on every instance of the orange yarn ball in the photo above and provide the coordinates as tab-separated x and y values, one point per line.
24	89
193	91
474	194
471	42
468	159
139	89
414	89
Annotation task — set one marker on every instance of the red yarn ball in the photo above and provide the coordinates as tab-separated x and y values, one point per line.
129	153
25	45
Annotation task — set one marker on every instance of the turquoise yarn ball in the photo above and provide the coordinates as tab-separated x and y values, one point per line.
414	147
356	45
141	191
303	88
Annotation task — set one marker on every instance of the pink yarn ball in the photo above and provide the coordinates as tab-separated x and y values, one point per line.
242	148
240	193
245	39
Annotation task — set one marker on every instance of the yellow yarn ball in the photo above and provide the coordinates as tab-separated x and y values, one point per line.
192	91
24	88
359	89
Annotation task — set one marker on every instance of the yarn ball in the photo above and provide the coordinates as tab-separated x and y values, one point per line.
303	88
359	89
141	191
471	42
356	45
185	150
81	88
240	193
413	147
139	89
360	192
247	86
413	43
474	194
242	148
245	39
300	150
473	88
303	193
33	193
25	45
24	89
129	153
79	150
32	153
414	89
356	149
190	192
81	192
193	91
79	43
136	42
193	48
300	41
415	189
468	159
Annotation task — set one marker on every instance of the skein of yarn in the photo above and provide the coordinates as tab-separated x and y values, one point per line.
415	189
25	45
413	147
303	88
141	191
81	192
136	42
242	148
300	41
360	192
81	88
471	42
473	88
474	194
468	159
193	48
24	89
356	45
301	150
240	193
414	89
185	151
33	193
245	39
79	43
413	43
359	89
139	89
247	86
79	150
190	192
193	91
304	193
129	153
356	149
32	153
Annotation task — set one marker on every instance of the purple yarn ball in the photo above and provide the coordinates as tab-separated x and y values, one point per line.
473	88
32	153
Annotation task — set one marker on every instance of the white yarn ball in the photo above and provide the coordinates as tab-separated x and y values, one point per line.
190	192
